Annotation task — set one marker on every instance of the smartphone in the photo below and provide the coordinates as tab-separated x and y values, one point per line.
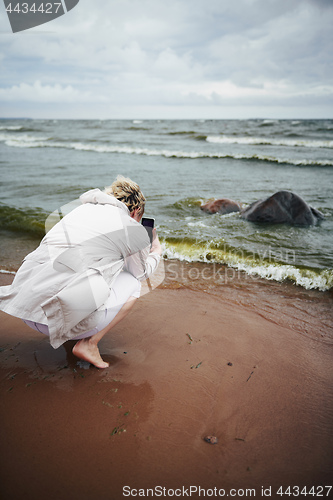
148	223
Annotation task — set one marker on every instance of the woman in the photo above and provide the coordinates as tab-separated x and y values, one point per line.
85	275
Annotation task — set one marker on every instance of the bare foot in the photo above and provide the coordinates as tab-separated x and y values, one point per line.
88	351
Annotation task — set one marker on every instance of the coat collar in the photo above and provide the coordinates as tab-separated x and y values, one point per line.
96	196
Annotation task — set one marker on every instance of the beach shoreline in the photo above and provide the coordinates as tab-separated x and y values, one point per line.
249	362
282	302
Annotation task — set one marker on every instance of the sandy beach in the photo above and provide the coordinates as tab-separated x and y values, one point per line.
187	362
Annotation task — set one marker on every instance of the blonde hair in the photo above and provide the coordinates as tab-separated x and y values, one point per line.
127	191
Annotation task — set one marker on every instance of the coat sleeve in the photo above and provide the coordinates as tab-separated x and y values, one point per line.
142	264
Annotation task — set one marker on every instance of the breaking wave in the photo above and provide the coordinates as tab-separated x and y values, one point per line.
268	141
28	141
186	250
30	220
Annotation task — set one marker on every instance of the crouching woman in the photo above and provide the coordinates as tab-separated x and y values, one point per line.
85	275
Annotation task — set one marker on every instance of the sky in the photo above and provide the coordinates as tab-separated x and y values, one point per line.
174	59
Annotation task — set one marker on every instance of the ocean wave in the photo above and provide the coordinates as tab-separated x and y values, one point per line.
137	128
182	132
46	142
268	123
11	127
267	141
188	203
24	140
186	250
197	223
306	278
31	221
17	130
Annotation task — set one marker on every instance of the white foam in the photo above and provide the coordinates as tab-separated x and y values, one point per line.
23	140
40	142
306	278
267	141
11	127
197	224
171	253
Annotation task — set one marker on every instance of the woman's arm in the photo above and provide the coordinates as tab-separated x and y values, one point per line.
143	263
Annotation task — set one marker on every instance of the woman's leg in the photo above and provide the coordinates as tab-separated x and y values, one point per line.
125	290
123	294
87	349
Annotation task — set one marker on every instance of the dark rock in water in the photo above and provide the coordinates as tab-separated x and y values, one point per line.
211	439
282	207
222	206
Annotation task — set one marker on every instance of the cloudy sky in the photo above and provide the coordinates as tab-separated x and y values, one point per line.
172	59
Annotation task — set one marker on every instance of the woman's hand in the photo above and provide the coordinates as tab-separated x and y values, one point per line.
156	245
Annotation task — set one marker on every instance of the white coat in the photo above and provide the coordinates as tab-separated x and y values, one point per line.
70	274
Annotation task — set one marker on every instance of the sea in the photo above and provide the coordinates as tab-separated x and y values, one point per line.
179	165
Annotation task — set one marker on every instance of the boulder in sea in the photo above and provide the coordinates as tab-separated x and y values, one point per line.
222	206
282	207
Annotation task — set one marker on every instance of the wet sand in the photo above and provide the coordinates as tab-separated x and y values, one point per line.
191	359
